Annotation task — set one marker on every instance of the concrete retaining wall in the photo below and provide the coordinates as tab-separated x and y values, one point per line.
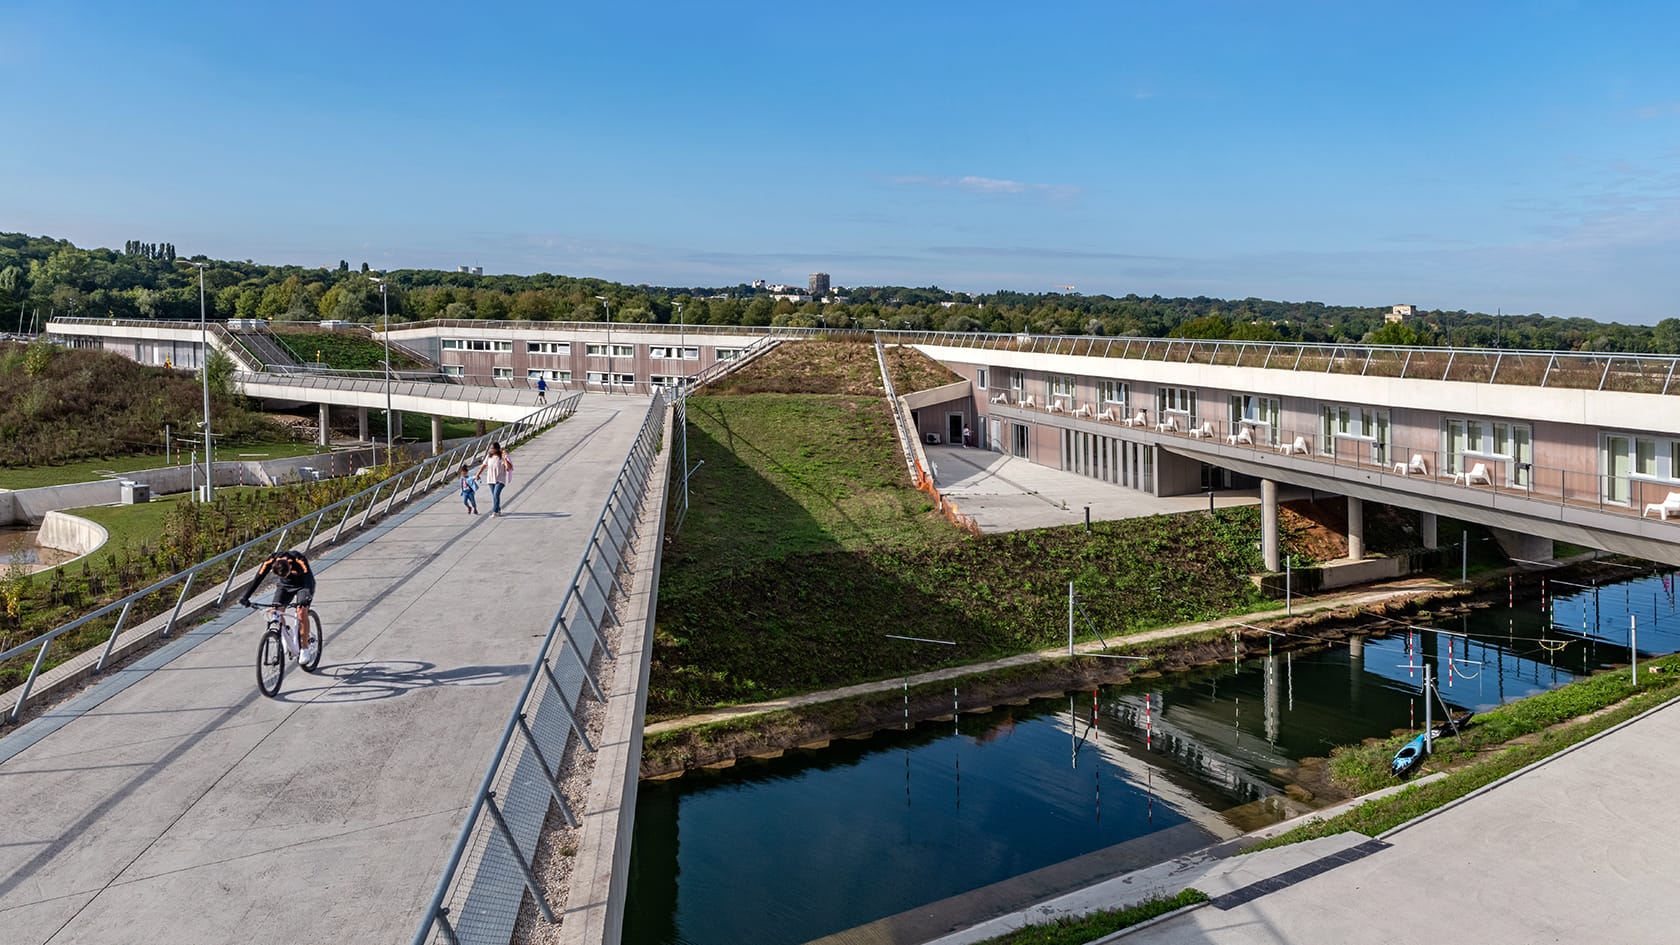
30	506
71	533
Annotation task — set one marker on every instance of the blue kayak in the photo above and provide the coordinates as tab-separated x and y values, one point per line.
1409	756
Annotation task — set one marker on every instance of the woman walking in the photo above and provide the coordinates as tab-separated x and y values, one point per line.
496	471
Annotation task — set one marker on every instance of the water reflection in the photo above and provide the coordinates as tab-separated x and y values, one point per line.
816	842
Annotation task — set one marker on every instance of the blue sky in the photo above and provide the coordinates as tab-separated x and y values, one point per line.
1515	156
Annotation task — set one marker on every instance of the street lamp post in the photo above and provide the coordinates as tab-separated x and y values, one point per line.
608	306
682	346
385	301
204	371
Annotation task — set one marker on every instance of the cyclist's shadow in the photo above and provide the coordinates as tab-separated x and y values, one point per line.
385	679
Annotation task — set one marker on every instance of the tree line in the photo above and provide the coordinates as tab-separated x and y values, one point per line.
42	277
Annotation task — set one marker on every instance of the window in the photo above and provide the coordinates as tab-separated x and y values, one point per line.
454	370
476	344
595	377
595	351
1465	440
1114	392
1059	385
1644	457
501	372
728	354
624	380
564	377
1364	427
623	351
1259	415
1017	384
671	352
666	380
548	347
1175	400
980	378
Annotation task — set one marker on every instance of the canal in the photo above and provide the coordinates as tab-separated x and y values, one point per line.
815	842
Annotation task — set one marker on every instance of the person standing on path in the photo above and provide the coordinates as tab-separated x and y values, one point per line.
469	490
542	390
496	472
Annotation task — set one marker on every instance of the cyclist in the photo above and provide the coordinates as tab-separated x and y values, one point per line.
294	579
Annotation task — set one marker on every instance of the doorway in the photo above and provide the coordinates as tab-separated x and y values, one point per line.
954	424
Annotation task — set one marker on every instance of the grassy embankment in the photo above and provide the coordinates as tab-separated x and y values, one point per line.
93	409
806	546
1098	924
1495	744
346	350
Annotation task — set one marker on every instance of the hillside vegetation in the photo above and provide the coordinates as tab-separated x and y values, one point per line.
805	547
59	405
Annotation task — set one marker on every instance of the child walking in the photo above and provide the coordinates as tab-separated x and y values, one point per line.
469	488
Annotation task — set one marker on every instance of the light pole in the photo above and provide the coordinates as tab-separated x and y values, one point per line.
204	371
682	347
385	301
608	306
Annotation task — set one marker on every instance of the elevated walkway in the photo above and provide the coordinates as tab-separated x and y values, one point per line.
171	802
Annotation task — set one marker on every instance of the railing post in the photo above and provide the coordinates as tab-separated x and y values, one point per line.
548	773
531	883
111	644
29	683
571	717
186	589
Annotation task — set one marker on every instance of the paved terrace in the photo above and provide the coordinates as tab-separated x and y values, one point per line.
173	803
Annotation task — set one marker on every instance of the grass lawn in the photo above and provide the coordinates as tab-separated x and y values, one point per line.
92	470
805	548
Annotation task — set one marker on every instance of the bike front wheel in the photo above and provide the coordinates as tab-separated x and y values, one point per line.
271	663
317	643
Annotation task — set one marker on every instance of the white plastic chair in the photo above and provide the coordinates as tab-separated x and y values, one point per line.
1299	446
1477	473
1665	508
1083	410
1205	431
1108	414
1241	436
1136	421
1169	425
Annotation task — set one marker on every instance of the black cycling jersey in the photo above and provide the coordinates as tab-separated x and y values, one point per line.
299	581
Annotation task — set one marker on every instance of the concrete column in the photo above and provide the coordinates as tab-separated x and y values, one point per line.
325	438
437	434
361	424
1428	531
396	423
480	428
1356	529
1269	525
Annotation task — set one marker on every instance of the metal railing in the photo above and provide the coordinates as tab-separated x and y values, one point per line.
1394	463
1634	373
524	775
360	508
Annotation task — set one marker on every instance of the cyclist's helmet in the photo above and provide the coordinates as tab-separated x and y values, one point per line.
282	567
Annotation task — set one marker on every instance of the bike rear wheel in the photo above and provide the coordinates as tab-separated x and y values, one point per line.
317	640
271	663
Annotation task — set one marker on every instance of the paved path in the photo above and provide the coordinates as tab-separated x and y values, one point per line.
1576	848
178	805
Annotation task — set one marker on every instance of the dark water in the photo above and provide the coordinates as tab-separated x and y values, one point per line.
815	842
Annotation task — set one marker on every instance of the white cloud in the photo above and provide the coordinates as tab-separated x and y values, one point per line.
976	184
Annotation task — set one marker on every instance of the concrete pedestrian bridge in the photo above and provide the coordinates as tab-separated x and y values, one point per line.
170	802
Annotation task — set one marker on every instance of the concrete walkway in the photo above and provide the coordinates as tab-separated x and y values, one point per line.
1578	847
1002	493
176	804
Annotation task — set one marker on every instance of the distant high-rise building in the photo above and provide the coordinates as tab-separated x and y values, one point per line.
819	283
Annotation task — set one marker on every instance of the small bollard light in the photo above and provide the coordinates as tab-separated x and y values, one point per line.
1087	518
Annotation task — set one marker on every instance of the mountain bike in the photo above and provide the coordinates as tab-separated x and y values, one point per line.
279	641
